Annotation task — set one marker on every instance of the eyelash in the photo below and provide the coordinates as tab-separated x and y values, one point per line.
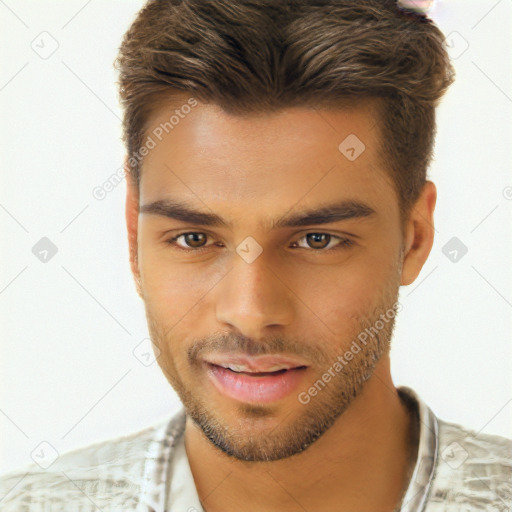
343	244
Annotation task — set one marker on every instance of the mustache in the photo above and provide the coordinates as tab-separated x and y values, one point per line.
243	345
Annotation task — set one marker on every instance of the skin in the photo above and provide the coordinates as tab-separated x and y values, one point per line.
353	445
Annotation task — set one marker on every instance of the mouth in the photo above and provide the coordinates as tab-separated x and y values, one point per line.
238	382
253	365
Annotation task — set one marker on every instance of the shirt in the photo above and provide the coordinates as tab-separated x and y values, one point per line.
456	470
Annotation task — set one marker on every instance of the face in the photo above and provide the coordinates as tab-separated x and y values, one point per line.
260	274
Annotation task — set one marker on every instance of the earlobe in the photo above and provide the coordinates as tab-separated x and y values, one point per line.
132	218
419	234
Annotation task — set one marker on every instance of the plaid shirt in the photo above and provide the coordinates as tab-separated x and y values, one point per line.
457	470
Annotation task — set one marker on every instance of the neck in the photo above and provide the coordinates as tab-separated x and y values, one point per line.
363	462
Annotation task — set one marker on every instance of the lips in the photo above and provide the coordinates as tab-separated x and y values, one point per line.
259	379
254	365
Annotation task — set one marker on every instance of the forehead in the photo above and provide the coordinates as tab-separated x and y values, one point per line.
297	156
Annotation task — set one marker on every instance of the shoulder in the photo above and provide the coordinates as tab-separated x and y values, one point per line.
107	475
473	470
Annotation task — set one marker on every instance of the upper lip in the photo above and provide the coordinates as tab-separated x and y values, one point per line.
266	363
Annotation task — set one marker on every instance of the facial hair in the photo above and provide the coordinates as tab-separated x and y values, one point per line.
247	438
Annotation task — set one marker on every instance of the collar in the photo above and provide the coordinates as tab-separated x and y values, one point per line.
415	497
169	439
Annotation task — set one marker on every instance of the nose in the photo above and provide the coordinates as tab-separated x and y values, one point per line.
253	297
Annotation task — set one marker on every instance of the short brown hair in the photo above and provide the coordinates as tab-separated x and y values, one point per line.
259	56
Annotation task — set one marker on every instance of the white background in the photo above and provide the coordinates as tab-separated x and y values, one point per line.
69	326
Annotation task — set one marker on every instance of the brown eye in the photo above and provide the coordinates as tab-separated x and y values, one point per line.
191	240
194	240
318	240
323	242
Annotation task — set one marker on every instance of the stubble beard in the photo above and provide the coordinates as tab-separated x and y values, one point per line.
244	438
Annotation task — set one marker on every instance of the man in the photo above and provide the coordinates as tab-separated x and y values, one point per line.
276	201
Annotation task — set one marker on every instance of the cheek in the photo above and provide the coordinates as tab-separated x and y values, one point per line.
176	292
164	288
169	301
340	296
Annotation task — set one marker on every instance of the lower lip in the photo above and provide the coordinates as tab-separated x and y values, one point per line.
248	388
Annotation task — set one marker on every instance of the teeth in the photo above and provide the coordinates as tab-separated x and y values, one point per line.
236	368
241	368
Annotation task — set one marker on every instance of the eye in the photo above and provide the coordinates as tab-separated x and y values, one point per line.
320	242
194	241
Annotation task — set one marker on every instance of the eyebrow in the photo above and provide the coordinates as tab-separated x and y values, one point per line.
344	210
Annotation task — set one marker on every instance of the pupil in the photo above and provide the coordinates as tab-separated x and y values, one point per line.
193	237
316	239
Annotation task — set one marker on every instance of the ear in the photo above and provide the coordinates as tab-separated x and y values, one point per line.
132	220
419	234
